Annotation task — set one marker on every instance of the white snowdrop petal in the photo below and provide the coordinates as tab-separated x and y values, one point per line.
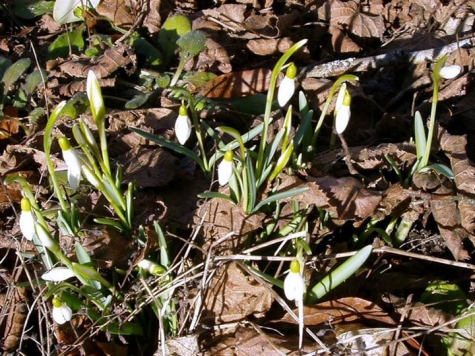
58	274
27	224
182	128
62	314
294	286
342	119
450	72
225	171
286	91
74	167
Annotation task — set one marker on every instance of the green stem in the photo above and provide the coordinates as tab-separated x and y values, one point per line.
49	162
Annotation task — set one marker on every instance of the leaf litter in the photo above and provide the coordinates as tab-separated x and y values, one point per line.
243	42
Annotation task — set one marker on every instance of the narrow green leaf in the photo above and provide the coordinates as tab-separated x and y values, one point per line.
440	168
338	275
279	196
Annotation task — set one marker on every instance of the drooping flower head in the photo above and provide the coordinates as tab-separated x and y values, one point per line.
294	285
226	168
73	162
287	86
294	289
61	312
342	109
27	220
182	125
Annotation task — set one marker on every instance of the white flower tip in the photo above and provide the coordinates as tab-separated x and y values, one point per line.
450	72
286	91
182	129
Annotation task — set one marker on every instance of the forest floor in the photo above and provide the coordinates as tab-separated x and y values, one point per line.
222	256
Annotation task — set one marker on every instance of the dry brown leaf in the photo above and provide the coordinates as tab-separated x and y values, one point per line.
117	11
215	55
247	341
233	295
341	43
237	84
231	16
347	15
104	243
269	46
148	167
120	56
447	217
455	148
343	310
345	196
220	218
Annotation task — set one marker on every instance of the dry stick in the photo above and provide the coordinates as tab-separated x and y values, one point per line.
339	67
384	249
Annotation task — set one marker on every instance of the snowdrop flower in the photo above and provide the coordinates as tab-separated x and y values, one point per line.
287	85
96	101
450	72
294	286
151	267
27	220
342	109
73	162
182	125
225	169
58	274
294	289
46	238
61	312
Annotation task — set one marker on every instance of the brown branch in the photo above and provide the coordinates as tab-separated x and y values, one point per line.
339	67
